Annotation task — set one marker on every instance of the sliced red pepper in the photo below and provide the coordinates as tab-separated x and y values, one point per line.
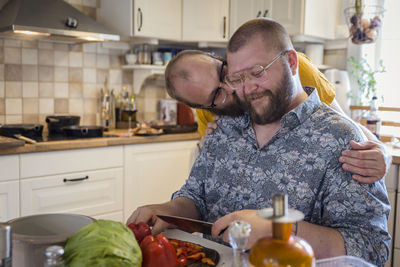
197	256
208	261
140	230
182	261
158	251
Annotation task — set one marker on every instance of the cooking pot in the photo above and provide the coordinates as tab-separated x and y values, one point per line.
83	131
56	122
31	235
29	130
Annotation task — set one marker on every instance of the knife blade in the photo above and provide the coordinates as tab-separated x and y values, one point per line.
188	224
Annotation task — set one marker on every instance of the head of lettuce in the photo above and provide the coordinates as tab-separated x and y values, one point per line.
103	243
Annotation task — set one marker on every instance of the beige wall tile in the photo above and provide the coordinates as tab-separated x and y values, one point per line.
150	116
1	72
46	57
1	55
60	47
2	106
75	75
60	74
89	75
103	61
45	45
102	74
75	90
30	89
30	43
101	49
13	106
90	105
75	59
61	106
46	74
12	72
115	76
13	89
115	61
46	90
61	90
90	90
75	106
89	47
30	118
61	58
150	105
2	119
29	56
12	119
76	47
89	60
30	73
30	106
89	119
2	93
12	55
12	43
46	106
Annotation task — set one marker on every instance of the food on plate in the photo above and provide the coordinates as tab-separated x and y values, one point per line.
103	243
140	230
144	128
188	253
158	251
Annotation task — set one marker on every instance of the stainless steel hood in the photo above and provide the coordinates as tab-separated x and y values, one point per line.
50	19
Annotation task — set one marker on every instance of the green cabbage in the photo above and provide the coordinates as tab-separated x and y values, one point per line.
103	243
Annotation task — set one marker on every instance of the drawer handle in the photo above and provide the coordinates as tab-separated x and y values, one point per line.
76	179
140	17
265	13
258	14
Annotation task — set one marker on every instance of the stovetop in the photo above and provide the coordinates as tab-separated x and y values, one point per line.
51	138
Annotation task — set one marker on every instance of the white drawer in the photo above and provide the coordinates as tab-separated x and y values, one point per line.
9	200
100	193
9	168
114	216
68	161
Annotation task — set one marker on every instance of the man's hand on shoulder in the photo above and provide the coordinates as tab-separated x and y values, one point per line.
211	126
367	161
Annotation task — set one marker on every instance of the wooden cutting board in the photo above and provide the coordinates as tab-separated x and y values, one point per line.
7	142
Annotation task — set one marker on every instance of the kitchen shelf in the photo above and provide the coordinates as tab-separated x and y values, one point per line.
141	72
143	67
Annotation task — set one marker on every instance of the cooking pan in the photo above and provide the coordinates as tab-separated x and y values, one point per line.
33	131
56	122
83	131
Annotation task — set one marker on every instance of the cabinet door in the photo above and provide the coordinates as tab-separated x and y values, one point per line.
101	192
244	10
396	258
9	168
206	20
9	200
154	171
290	14
320	18
158	19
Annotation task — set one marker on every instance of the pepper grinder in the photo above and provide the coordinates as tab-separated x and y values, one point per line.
239	232
5	245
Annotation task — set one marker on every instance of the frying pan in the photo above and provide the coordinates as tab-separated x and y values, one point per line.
83	131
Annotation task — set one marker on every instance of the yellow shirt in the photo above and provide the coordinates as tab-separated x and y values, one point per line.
309	76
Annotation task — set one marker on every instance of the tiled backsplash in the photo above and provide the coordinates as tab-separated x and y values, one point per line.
40	78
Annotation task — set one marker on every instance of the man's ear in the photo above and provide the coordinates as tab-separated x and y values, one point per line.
293	61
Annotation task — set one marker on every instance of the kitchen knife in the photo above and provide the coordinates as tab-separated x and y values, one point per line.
187	224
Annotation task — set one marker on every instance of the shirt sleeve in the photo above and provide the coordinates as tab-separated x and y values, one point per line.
358	211
203	117
311	76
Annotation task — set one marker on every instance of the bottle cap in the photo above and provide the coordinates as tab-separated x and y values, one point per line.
279	212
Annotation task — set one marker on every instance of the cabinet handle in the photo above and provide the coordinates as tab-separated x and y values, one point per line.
140	17
76	179
258	14
265	13
224	35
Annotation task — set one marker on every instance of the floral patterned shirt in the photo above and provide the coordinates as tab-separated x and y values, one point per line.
301	160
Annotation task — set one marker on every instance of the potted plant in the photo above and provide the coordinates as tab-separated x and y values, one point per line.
365	76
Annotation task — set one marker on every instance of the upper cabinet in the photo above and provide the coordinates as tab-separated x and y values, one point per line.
206	20
144	18
312	18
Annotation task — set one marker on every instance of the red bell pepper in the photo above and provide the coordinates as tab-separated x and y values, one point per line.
158	251
140	230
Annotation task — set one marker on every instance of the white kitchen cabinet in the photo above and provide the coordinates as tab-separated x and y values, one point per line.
154	171
396	258
159	19
244	10
9	200
206	20
9	168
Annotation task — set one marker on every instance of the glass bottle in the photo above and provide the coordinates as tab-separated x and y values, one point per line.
53	256
239	232
282	248
5	245
373	120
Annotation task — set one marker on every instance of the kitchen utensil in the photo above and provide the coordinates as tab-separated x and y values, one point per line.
169	129
24	138
56	122
83	131
107	114
5	245
188	224
7	142
31	235
33	131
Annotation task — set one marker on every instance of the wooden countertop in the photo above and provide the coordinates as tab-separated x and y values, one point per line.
98	142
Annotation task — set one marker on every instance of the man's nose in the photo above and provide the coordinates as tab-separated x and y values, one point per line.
248	86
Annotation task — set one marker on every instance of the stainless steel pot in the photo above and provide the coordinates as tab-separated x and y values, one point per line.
31	235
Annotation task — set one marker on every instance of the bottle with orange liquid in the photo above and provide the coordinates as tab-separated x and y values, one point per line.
282	248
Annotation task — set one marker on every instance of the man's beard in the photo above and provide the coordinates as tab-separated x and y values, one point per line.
278	103
232	109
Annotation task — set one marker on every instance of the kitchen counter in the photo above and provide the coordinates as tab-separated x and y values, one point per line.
98	142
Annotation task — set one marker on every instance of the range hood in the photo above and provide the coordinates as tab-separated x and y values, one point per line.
50	19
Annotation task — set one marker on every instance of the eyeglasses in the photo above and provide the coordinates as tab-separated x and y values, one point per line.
219	93
236	80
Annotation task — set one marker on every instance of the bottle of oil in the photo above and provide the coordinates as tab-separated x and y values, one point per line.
282	248
373	120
